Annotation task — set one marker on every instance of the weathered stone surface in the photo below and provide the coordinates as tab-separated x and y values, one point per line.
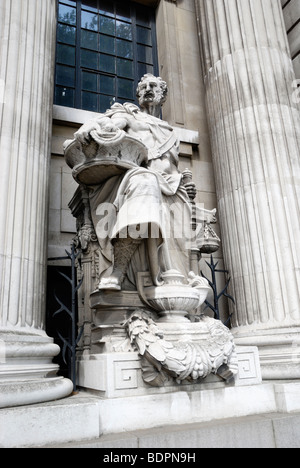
254	124
27	47
136	210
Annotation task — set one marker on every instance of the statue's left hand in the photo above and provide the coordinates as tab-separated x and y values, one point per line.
191	190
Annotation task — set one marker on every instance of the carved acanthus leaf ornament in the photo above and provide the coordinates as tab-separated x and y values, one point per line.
183	360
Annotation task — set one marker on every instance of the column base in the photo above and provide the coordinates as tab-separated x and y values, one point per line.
279	351
21	393
27	373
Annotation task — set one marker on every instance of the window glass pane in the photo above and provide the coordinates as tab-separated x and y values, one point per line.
107	63
89	81
109	59
106	7
65	75
106	102
124	49
144	68
89	101
107	25
70	2
89	39
123	12
107	84
142	16
89	21
89	59
145	54
65	54
66	34
144	35
64	96
124	30
125	68
125	88
90	5
107	44
67	14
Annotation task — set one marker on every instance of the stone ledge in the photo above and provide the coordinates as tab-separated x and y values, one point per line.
264	431
232	415
69	419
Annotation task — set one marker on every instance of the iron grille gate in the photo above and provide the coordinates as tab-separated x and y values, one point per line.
69	308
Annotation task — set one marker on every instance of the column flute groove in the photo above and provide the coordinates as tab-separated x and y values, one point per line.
255	129
27	48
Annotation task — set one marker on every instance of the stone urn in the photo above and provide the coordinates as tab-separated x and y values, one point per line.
107	154
176	298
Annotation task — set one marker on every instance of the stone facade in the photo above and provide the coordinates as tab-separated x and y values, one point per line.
179	24
232	68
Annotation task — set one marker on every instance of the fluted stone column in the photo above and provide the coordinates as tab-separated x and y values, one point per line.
255	134
27	44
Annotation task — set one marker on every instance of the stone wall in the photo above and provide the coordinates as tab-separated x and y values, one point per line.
291	12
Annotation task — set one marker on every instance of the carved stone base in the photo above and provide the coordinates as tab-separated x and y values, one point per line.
279	351
27	374
111	310
199	349
20	393
117	375
178	350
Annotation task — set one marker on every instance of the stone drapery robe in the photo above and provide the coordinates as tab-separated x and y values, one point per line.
145	202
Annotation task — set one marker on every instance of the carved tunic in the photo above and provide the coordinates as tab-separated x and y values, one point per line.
144	199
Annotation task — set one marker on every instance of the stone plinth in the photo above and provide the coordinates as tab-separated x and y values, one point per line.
118	375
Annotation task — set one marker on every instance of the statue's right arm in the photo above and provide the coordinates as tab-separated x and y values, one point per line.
100	123
83	134
119	121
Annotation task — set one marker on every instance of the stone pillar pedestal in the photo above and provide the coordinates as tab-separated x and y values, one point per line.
27	45
255	134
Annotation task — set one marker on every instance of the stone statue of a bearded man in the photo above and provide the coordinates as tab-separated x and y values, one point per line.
142	217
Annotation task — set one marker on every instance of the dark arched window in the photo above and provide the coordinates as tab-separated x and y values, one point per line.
103	48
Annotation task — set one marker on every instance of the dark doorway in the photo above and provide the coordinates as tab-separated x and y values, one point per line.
58	286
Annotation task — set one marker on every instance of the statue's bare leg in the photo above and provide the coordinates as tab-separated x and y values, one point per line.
123	251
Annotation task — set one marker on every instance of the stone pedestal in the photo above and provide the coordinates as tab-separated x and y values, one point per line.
254	127
27	45
119	375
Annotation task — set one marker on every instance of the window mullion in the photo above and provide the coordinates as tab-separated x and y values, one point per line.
134	43
154	45
78	56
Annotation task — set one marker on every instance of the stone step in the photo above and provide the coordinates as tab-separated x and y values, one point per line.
265	431
266	414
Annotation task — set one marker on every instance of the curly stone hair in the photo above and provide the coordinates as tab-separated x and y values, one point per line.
163	85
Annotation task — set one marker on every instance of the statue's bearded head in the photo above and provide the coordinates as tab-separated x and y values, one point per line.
151	91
